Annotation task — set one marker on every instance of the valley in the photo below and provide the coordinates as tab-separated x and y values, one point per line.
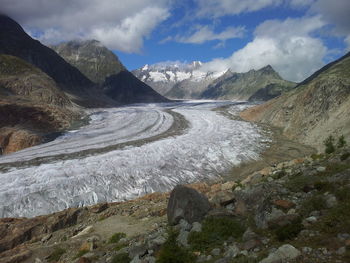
127	152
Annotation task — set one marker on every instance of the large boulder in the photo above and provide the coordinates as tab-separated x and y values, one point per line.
186	203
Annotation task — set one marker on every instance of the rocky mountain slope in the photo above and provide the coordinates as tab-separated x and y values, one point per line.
16	42
295	211
103	67
40	91
31	105
317	108
93	59
163	76
190	81
262	84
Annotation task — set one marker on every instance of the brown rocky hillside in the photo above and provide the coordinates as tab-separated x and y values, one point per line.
317	108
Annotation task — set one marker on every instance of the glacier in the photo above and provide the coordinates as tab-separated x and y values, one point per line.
127	152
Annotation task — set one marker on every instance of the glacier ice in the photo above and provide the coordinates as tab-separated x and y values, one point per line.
209	145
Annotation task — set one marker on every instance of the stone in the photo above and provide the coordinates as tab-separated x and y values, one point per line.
137	250
331	201
249	235
251	244
85	231
284	204
321	169
283	253
196	227
182	239
307	250
311	219
341	251
186	203
136	259
98	208
216	252
184	225
232	252
84	260
228	186
37	260
46	238
222	199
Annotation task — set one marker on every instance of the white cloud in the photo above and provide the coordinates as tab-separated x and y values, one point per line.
301	3
285	45
336	13
218	8
119	25
206	33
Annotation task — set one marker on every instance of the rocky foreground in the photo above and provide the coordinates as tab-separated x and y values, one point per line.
296	211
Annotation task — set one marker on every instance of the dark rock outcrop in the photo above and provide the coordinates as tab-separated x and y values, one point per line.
186	203
124	87
16	42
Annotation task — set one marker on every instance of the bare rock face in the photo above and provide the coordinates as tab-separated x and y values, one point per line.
12	140
186	203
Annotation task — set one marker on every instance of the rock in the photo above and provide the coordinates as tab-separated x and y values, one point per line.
282	220
321	169
307	250
341	251
240	208
196	227
283	253
85	231
186	203
228	186
87	246
216	252
222	199
46	238
137	250
251	244
136	259
311	219
84	260
232	252
37	260
331	201
182	239
98	208
249	235
158	241
184	225
284	204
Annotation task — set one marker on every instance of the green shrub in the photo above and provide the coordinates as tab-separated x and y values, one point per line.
329	144
341	142
215	231
171	252
121	258
337	219
56	254
116	237
343	194
345	156
313	203
289	231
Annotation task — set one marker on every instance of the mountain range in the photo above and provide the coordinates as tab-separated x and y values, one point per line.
42	93
317	108
191	81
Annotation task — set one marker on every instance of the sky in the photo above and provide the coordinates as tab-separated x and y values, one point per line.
295	37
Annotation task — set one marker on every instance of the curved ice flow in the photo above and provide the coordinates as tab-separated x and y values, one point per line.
212	144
